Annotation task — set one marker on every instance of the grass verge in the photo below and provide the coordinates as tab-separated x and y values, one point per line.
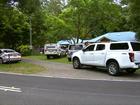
44	58
21	67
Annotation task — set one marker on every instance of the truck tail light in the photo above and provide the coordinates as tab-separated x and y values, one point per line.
131	57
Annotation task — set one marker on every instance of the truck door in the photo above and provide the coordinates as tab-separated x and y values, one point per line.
99	55
87	55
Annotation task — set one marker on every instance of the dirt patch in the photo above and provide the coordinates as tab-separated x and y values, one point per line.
66	71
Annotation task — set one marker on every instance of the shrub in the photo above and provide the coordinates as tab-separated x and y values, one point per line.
24	50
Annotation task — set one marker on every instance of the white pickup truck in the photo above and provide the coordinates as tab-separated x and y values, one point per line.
53	50
115	56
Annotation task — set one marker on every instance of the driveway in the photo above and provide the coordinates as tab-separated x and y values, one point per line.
60	70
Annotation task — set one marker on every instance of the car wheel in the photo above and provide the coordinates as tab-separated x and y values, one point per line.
76	63
131	70
69	59
48	57
113	68
1	61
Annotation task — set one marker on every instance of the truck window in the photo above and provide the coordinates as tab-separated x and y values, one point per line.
100	47
135	46
50	47
78	47
75	47
72	47
90	48
119	46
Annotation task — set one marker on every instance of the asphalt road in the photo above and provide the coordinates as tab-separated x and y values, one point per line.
32	90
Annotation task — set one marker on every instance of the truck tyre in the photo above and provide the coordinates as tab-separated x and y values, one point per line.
113	68
1	61
76	63
131	71
69	59
48	57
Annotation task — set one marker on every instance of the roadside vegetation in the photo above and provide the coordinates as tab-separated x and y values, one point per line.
21	67
52	20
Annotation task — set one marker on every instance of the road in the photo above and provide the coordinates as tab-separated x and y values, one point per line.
33	90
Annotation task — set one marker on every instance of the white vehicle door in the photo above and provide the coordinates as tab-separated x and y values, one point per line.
99	55
87	55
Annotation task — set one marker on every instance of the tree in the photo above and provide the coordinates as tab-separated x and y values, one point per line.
29	6
90	18
39	27
53	20
135	15
13	28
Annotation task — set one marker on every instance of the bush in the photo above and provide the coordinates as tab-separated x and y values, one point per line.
24	50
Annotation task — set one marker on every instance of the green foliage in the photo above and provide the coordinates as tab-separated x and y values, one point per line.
22	68
14	27
14	23
135	15
90	18
53	20
29	7
24	50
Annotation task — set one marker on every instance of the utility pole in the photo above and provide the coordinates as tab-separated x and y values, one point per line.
30	21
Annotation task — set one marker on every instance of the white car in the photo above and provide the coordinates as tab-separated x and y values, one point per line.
115	56
9	55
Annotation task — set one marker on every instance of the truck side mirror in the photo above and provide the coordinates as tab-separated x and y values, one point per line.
83	49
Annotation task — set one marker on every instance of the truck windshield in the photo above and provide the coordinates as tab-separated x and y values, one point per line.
8	51
76	47
50	46
135	46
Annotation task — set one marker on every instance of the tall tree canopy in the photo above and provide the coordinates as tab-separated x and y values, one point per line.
135	15
53	20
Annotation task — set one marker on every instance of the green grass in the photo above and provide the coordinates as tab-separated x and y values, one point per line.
44	58
60	60
36	57
21	67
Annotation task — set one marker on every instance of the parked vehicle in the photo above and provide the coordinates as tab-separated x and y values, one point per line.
9	55
73	48
53	50
115	56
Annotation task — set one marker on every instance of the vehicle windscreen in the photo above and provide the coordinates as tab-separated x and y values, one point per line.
50	47
135	46
78	47
8	51
75	47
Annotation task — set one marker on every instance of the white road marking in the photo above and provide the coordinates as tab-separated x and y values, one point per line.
12	89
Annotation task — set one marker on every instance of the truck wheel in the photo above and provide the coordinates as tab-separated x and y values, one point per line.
48	57
1	61
113	68
69	59
76	63
131	71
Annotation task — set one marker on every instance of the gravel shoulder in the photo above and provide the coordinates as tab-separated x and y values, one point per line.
60	70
